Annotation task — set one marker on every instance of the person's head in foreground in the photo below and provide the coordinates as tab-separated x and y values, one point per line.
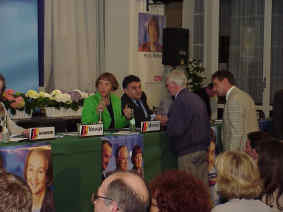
237	176
124	192
253	142
178	191
15	195
270	163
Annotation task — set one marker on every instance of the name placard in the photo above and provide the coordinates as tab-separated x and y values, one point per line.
41	133
150	126
91	130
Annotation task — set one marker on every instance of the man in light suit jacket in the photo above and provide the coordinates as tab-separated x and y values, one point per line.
239	111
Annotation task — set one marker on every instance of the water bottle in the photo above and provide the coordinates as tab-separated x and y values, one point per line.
5	135
133	124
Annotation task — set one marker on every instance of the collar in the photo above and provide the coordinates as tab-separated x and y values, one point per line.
178	92
228	92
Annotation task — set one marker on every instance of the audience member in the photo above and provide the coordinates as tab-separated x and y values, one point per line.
271	171
15	195
239	112
205	94
188	127
124	192
106	103
175	191
277	115
135	98
238	181
253	142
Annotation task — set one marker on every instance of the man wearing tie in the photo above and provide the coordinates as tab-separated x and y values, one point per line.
135	98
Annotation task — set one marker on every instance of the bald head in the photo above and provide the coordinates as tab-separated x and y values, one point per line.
128	191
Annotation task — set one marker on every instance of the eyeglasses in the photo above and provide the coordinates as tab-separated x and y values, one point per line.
95	197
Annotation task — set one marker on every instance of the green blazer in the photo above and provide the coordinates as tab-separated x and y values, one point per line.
90	116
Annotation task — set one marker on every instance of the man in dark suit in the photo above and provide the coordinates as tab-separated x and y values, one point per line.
188	127
135	98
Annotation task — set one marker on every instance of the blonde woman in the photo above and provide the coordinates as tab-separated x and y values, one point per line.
238	180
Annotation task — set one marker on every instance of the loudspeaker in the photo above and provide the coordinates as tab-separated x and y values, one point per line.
175	46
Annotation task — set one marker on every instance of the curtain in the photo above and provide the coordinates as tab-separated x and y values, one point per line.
73	44
276	74
246	46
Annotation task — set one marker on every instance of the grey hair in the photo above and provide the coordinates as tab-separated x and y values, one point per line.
127	199
178	77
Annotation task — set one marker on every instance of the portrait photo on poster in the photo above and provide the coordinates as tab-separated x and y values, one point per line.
150	32
122	153
33	164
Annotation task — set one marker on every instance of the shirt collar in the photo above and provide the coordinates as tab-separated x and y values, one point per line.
228	92
178	92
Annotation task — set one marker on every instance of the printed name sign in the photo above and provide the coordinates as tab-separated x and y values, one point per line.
91	130
149	126
41	133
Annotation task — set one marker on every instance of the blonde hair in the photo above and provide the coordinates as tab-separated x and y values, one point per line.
237	176
178	77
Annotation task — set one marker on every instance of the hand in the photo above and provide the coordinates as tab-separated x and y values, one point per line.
162	118
100	107
106	100
128	112
26	133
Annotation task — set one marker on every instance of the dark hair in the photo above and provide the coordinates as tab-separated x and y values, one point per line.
15	194
257	137
210	85
221	75
108	77
47	155
153	20
136	150
2	78
106	142
128	79
127	199
177	190
271	171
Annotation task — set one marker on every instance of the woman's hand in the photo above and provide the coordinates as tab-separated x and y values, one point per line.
100	107
128	112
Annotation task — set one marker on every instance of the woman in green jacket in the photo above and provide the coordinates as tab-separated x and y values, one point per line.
107	103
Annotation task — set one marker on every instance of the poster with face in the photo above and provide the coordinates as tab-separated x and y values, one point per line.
150	32
123	153
32	162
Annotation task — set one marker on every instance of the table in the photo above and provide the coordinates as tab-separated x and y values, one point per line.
77	169
61	124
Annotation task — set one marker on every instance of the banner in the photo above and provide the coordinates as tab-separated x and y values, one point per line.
123	153
33	163
19	44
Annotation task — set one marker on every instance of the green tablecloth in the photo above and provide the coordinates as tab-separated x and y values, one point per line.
77	167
